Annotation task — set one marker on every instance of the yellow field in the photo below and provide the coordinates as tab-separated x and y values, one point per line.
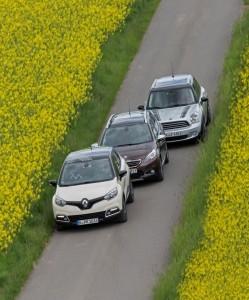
219	269
49	51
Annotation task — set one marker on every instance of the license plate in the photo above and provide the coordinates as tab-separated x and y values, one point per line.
133	171
87	221
170	134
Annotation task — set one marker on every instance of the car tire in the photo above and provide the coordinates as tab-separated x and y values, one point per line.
59	227
209	116
166	161
123	217
159	174
202	134
131	197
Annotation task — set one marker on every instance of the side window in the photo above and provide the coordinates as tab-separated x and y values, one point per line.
152	126
157	128
197	88
152	123
116	161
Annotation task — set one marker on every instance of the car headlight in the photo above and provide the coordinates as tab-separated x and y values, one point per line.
195	117
152	155
59	201
110	195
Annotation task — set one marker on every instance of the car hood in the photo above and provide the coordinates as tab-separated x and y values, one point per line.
89	191
135	152
175	113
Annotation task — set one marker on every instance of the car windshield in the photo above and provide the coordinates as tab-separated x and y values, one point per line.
171	98
86	171
127	135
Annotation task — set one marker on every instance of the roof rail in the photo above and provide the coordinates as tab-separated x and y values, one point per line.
154	83
110	120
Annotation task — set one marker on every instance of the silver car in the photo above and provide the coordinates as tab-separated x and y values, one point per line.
181	105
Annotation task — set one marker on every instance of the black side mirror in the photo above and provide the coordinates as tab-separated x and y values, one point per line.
53	182
140	107
204	99
122	173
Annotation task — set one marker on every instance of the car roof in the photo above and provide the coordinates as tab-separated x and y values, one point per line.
172	81
127	118
90	153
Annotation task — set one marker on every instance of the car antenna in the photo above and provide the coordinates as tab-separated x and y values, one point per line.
129	103
172	71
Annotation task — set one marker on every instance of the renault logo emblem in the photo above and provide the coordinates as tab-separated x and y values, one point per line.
85	203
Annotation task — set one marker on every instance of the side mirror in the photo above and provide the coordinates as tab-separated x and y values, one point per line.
140	107
53	182
161	137
204	99
122	173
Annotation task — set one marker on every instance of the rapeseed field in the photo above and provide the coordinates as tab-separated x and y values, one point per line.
49	52
219	268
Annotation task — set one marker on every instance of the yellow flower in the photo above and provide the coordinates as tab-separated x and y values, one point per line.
49	51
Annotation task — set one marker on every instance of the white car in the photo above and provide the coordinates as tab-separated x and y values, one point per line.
181	105
94	185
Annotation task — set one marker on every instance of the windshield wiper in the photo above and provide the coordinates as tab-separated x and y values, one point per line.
73	184
157	107
123	145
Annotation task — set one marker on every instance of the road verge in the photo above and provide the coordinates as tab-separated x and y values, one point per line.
189	232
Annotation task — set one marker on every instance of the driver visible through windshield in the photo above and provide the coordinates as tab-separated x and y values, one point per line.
169	98
127	135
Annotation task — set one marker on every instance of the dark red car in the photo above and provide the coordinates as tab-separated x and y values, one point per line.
140	139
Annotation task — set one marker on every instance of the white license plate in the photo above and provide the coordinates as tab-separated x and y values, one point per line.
170	134
87	221
133	171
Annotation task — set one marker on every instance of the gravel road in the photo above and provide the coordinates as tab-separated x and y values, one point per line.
122	262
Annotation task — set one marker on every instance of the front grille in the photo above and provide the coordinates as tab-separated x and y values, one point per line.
99	215
175	125
134	163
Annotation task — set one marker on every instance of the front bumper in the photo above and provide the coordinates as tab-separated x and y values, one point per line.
183	134
145	170
100	212
86	219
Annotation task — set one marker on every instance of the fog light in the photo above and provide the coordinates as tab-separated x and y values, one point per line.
152	172
62	218
112	211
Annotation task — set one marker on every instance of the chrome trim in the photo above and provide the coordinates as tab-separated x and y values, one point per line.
175	125
62	221
114	214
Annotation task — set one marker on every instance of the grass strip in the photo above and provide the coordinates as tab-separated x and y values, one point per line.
189	232
118	53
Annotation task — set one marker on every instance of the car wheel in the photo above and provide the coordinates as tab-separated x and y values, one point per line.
159	174
123	215
59	227
209	116
131	198
202	134
167	157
